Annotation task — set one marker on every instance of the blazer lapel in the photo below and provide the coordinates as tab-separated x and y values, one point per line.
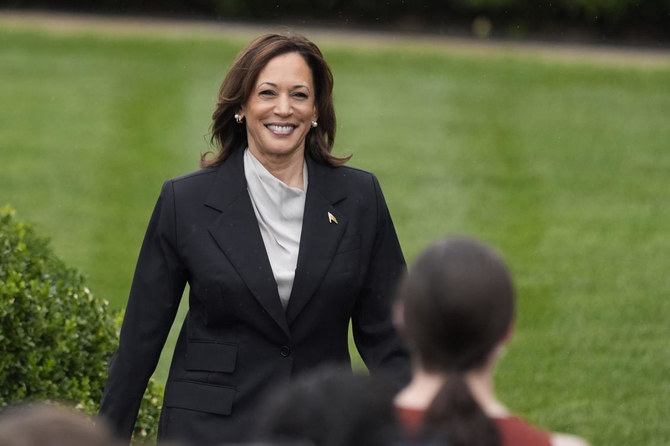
319	239
237	234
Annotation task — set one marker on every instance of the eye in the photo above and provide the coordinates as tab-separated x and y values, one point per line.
300	95
267	93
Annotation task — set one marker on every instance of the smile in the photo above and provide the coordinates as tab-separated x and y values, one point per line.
280	129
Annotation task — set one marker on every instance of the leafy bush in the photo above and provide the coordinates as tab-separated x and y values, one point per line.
55	336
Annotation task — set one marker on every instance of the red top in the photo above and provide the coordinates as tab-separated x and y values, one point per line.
513	430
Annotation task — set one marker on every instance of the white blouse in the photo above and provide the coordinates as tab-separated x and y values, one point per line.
279	210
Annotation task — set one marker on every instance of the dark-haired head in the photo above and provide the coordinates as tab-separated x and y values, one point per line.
457	306
38	424
228	135
330	406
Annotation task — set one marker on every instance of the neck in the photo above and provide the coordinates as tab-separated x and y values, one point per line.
286	168
421	390
481	385
425	385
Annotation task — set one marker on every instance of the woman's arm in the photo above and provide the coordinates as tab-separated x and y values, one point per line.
155	293
376	338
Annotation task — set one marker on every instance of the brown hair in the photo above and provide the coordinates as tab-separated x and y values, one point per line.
458	305
236	88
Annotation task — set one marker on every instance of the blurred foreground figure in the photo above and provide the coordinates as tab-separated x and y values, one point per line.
44	425
455	310
330	407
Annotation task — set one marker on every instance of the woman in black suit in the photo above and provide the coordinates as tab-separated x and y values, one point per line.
281	246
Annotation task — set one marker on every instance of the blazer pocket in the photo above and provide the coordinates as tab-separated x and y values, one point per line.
201	397
349	243
211	357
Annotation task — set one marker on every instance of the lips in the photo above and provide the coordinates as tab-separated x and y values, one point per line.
281	129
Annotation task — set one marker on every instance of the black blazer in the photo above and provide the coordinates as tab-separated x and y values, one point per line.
237	342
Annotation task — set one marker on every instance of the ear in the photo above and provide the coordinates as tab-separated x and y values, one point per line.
508	334
398	317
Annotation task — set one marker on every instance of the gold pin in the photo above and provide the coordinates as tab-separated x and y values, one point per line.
331	218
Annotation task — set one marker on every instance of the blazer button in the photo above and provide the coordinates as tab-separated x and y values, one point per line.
285	350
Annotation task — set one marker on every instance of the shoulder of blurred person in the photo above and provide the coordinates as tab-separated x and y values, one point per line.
567	440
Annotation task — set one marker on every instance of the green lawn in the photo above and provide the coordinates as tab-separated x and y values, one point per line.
564	166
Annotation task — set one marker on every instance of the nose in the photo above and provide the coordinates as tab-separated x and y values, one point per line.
283	105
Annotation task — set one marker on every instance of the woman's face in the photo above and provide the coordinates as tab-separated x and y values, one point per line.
281	108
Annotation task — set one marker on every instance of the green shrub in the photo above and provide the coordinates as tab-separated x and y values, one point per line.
55	336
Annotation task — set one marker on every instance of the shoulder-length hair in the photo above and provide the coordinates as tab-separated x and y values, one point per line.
228	135
458	301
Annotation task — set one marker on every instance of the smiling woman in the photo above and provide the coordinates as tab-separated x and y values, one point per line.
282	246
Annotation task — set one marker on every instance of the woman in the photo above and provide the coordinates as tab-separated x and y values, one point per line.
281	246
455	311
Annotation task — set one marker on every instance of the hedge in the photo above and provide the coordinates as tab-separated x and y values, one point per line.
55	335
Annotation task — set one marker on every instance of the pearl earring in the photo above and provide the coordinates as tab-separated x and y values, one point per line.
238	118
314	124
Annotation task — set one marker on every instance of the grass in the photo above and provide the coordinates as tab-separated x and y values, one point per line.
561	165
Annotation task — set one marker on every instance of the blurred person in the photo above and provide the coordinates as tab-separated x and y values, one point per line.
455	311
330	406
282	246
47	425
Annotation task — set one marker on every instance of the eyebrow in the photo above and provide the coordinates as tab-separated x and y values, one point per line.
272	84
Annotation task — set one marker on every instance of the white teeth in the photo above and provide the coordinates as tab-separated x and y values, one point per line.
280	128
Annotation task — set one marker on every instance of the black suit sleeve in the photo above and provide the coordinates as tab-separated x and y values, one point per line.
374	334
156	290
